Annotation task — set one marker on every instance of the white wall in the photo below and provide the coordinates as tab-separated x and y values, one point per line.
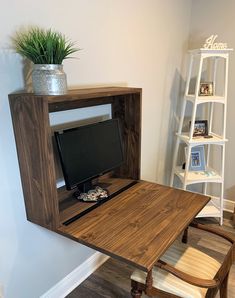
217	17
131	43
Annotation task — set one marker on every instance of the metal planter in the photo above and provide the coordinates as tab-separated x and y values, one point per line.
49	79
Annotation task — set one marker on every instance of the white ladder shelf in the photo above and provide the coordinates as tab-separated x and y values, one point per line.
209	175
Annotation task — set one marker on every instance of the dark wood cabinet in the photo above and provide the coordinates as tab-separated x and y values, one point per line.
45	204
135	226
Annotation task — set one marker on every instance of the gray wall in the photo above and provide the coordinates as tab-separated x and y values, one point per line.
129	43
217	17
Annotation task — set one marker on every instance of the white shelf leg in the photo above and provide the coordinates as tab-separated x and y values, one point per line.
207	164
222	184
177	142
211	117
188	156
182	116
189	75
225	94
174	161
196	96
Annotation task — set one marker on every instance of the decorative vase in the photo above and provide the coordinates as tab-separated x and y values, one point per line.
49	79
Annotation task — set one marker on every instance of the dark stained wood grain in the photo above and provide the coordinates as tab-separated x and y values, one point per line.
139	225
88	97
234	217
30	115
93	93
128	110
112	279
136	289
70	206
77	103
34	147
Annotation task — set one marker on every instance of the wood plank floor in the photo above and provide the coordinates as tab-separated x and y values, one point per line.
112	279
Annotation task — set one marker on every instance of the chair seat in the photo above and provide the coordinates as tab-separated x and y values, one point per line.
186	259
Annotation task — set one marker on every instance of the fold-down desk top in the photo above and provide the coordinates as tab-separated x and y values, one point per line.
138	225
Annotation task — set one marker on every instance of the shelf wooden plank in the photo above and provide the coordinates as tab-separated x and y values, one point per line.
216	139
210	51
205	99
209	175
79	98
210	210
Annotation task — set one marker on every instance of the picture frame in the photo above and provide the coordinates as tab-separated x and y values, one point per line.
206	89
200	128
197	158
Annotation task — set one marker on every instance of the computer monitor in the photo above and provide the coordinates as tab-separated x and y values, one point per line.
89	151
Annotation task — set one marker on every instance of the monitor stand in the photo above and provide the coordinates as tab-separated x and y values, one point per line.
83	188
86	186
88	193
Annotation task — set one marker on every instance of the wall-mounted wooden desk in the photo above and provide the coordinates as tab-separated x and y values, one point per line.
45	204
139	224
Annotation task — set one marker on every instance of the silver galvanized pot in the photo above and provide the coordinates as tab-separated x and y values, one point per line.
49	79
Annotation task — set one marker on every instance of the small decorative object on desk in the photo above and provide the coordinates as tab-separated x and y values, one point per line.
200	128
206	89
197	159
46	49
93	195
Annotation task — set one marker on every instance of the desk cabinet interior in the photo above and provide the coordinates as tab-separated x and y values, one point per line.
30	116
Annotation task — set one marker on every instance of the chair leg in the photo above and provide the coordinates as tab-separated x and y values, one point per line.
185	236
136	292
224	288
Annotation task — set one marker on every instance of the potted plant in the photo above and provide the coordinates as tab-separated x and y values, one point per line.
46	49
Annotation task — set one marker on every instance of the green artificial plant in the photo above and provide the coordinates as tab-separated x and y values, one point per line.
43	46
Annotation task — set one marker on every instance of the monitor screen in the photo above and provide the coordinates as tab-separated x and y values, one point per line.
89	151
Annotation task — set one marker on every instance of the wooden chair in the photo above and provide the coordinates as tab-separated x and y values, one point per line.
184	271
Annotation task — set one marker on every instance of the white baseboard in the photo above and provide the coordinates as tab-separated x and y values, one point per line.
76	277
229	205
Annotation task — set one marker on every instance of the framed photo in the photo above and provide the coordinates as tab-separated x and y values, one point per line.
206	89
200	128
197	159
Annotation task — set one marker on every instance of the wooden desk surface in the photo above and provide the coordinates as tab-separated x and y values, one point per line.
138	225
